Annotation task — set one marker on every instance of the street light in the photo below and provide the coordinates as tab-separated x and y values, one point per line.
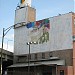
5	31
29	43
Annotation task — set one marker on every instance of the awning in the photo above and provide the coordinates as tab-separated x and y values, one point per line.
57	62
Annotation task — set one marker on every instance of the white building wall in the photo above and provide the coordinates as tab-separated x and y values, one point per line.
60	36
21	38
61	32
21	15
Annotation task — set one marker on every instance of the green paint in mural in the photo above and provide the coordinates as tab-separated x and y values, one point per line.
44	38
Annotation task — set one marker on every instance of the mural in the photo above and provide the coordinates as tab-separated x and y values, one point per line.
39	31
26	2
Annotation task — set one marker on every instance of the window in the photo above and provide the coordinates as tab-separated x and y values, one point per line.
43	55
61	72
35	56
50	54
22	58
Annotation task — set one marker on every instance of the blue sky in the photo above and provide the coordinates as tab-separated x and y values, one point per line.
44	9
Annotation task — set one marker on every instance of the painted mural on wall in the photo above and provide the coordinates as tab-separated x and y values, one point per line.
39	31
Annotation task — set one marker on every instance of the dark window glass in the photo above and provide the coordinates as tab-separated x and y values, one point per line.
61	72
43	55
22	58
50	54
35	56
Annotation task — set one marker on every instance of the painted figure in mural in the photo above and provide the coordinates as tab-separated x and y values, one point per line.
26	2
39	31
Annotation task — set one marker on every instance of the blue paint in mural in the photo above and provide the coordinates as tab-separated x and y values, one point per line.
29	25
39	24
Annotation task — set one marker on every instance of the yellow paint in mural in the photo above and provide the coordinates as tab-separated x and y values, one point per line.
22	1
26	2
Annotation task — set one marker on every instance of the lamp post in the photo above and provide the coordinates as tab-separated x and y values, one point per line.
29	59
29	43
5	31
2	50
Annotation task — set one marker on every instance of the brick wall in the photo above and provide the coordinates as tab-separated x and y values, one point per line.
62	54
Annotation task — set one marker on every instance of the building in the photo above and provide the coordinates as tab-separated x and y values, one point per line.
54	51
7	59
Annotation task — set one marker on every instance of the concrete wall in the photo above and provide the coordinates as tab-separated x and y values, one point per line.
20	41
31	14
25	14
60	36
61	32
6	55
21	15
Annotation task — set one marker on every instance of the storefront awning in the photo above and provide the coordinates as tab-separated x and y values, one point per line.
57	62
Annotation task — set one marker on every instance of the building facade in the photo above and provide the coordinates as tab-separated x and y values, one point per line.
7	59
54	51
